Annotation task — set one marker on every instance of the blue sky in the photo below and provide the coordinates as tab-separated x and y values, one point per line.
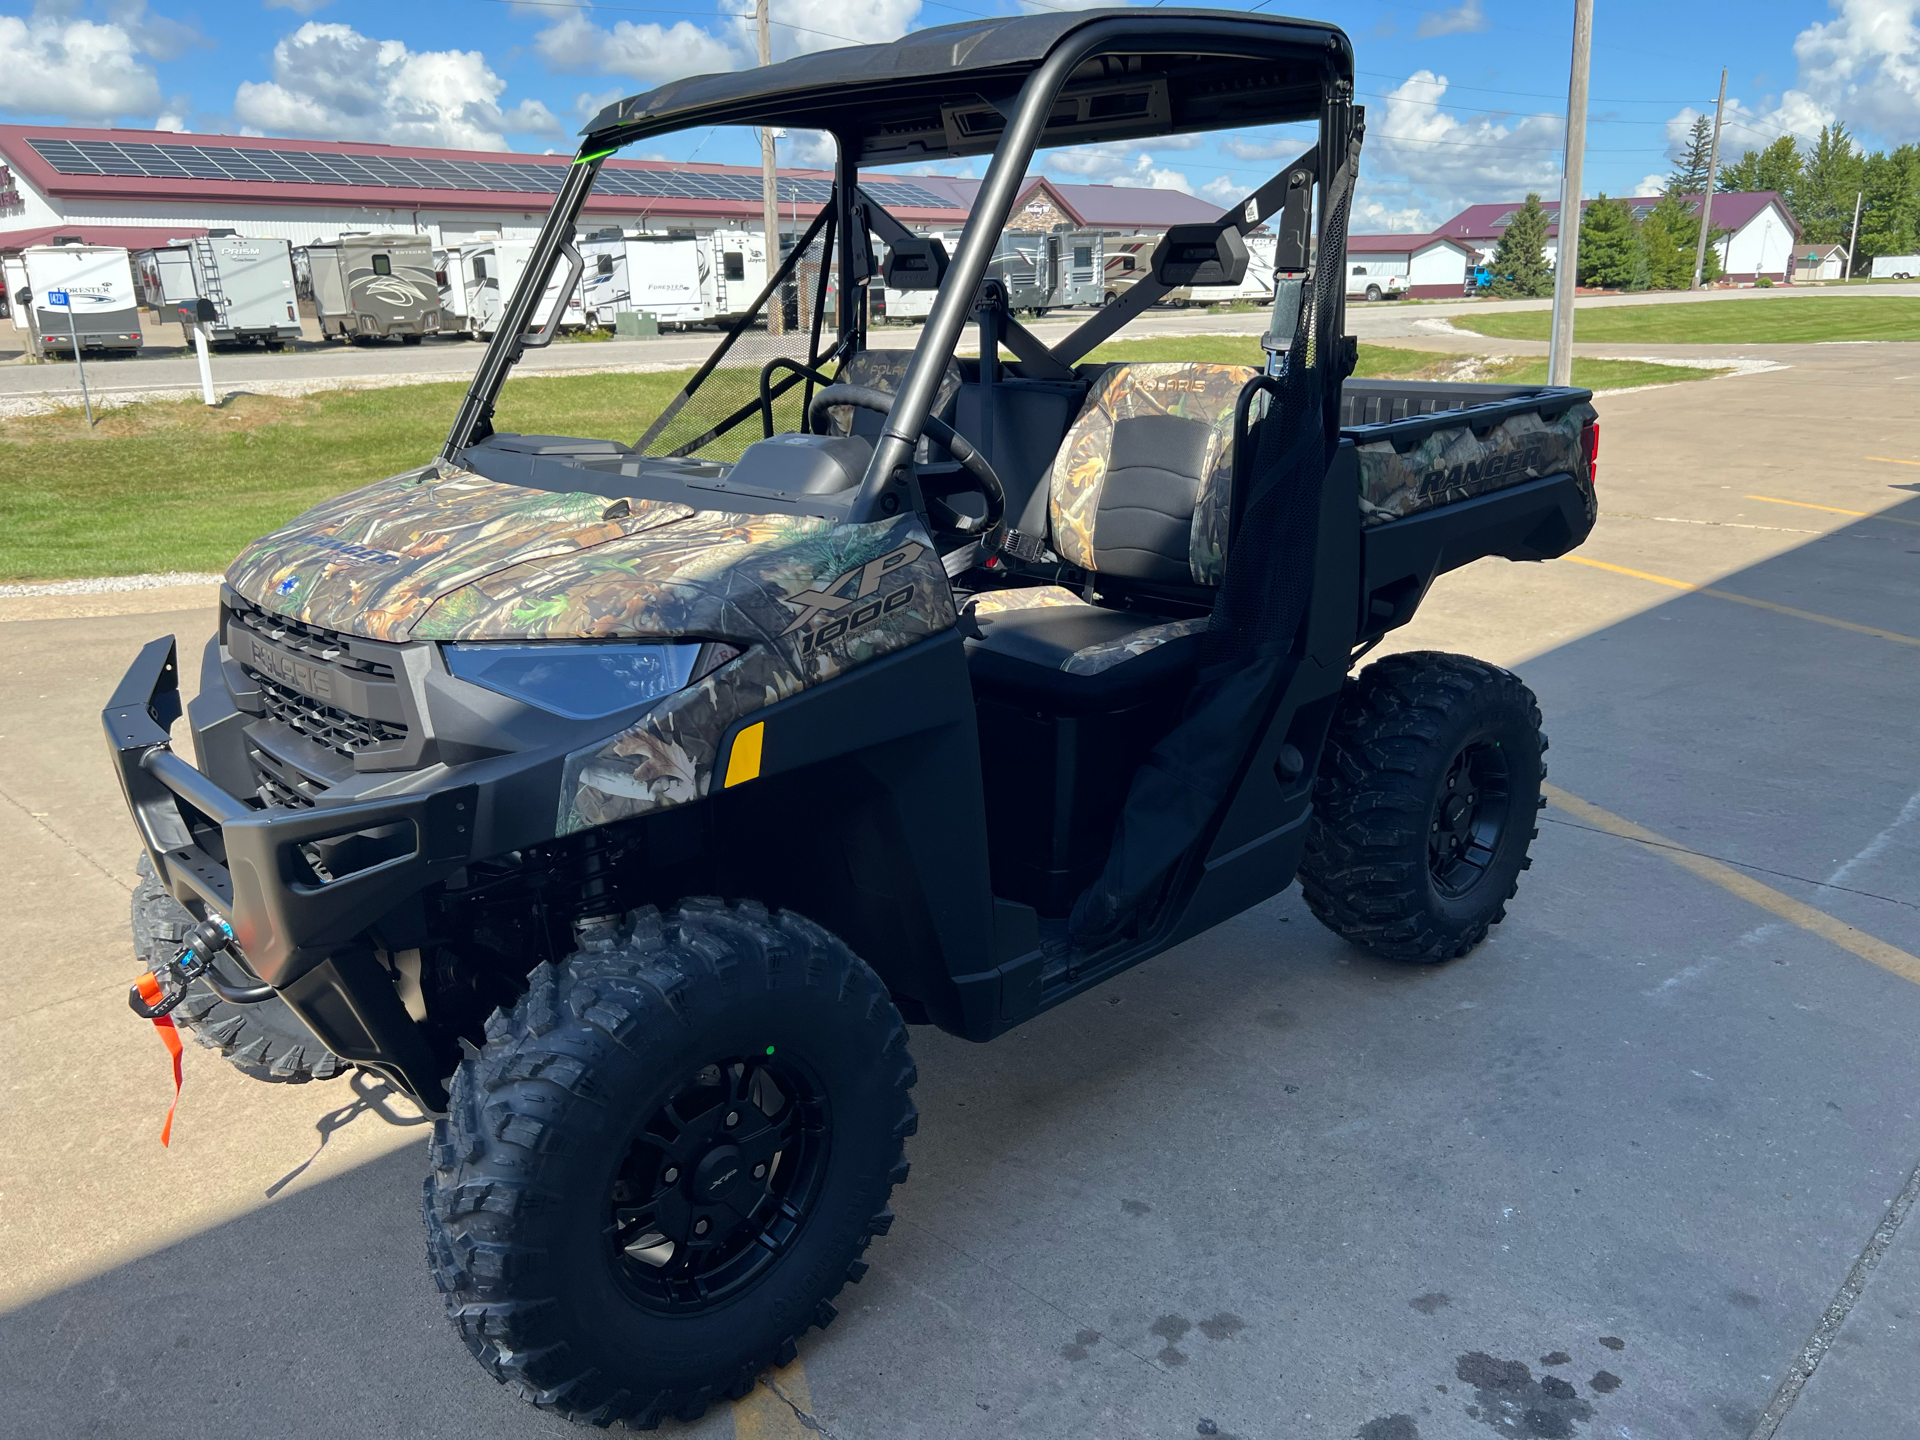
1464	100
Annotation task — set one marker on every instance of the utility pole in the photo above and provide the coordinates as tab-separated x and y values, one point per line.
1566	267
769	177
1706	200
1854	238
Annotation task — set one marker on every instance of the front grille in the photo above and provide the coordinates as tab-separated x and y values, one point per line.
340	732
272	790
328	645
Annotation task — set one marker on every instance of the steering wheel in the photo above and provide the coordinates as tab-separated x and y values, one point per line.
981	478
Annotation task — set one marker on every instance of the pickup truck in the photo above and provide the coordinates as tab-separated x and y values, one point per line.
625	800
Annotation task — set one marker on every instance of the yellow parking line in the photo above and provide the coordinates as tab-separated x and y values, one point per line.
1818	922
769	1413
1889	460
1835	509
1893	635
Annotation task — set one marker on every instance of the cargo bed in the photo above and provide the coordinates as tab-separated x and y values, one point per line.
1451	473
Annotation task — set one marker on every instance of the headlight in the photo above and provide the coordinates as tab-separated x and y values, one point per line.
581	682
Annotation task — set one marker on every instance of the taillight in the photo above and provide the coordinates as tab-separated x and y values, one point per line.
1591	437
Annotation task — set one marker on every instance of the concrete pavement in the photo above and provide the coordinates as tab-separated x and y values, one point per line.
1607	1176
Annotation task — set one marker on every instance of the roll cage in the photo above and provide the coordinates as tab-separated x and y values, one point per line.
1008	87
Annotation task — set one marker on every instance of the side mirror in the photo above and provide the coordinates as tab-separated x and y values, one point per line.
918	263
1210	254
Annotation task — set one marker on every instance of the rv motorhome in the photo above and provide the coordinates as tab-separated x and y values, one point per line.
98	280
249	281
374	287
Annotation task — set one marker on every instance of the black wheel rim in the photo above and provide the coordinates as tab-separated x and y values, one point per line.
1469	817
718	1183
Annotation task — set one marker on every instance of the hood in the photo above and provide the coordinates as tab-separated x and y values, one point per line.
372	562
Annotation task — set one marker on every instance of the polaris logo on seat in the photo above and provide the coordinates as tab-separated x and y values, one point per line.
862	606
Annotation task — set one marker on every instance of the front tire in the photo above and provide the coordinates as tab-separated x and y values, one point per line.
1424	806
667	1160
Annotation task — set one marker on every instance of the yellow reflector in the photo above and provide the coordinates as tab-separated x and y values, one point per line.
744	763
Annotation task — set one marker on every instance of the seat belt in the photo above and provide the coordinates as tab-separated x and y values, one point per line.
1290	254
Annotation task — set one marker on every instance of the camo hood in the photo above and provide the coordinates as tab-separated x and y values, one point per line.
374	561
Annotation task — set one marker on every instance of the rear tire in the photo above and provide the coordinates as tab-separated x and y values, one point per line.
1424	807
1373	292
267	1040
605	1247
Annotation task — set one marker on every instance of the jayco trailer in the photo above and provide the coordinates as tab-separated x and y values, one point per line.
98	281
375	286
490	269
249	281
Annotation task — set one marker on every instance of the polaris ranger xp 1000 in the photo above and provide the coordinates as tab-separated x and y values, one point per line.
624	800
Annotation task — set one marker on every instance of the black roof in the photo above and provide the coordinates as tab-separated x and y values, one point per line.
938	92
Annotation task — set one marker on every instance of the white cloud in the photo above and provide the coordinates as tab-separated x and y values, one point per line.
333	82
811	25
1375	217
1862	66
646	52
55	64
1865	64
1651	185
1463	19
1224	190
808	148
1444	162
1148	176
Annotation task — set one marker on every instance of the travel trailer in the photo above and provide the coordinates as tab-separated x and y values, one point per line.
249	281
375	287
682	277
450	279
98	280
489	271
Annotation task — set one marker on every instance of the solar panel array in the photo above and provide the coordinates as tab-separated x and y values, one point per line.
184	161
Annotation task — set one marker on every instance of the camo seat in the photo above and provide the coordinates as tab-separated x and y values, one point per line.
1140	490
884	370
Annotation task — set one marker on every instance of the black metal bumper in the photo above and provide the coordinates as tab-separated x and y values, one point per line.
217	853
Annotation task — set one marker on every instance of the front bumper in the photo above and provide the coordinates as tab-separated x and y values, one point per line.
216	853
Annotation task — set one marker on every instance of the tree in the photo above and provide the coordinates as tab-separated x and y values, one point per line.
1669	232
1890	217
1608	240
1690	174
1520	259
1830	180
1775	168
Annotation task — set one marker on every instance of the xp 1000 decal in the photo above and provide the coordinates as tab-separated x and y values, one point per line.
854	600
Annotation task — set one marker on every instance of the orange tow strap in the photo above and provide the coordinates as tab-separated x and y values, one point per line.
150	991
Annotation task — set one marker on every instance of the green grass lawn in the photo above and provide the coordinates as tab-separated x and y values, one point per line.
173	485
1720	322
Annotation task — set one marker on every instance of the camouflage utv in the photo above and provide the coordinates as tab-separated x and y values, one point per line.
624	802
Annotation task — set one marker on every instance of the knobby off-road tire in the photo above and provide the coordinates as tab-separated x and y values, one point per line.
266	1040
589	1136
1424	805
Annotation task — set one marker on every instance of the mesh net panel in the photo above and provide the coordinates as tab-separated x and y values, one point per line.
719	416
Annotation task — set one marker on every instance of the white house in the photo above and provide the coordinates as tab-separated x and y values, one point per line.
1432	265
